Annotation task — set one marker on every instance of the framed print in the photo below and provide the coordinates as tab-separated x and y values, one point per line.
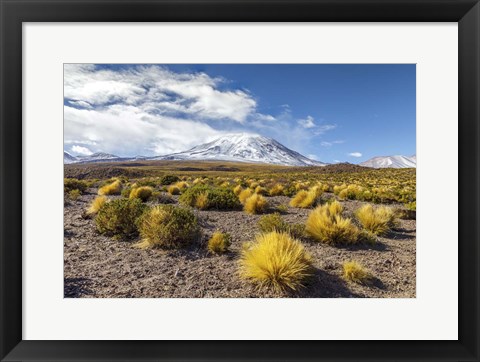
239	180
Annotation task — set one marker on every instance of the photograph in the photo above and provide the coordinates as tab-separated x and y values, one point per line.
239	180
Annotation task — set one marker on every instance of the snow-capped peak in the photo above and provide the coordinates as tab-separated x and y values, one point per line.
245	147
397	161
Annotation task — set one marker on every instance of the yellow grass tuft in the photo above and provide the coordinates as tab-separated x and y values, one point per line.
261	190
219	242
276	190
201	201
111	189
378	221
96	204
244	195
305	199
275	260
173	190
182	185
326	224
237	189
255	204
355	272
143	193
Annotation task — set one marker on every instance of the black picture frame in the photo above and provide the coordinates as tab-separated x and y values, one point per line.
15	12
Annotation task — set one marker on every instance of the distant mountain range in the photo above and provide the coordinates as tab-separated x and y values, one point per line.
244	147
239	147
391	162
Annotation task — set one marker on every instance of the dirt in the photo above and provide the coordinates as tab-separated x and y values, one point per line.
97	266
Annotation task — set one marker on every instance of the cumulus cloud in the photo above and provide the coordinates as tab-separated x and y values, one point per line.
355	154
156	89
79	150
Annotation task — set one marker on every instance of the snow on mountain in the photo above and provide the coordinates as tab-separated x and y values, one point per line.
244	147
68	158
391	162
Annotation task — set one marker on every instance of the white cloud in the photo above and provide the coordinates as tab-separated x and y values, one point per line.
157	89
82	104
330	143
355	154
307	122
81	150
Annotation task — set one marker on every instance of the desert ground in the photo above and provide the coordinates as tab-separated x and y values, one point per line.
97	265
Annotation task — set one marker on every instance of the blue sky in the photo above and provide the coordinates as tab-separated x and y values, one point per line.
328	112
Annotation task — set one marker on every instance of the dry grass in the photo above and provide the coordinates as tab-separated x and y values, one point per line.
326	224
376	220
219	243
143	193
275	260
306	199
173	190
276	190
255	204
96	204
201	201
237	189
244	195
111	189
355	272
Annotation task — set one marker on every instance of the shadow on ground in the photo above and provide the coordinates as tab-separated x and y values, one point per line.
76	287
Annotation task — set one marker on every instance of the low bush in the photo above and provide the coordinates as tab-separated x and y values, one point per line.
143	193
355	272
276	260
74	194
70	184
173	190
162	198
118	217
169	179
255	204
219	242
378	221
113	188
274	222
96	204
207	198
326	224
168	227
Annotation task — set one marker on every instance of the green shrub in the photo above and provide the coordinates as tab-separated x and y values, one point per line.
168	227
210	198
70	184
118	217
274	222
169	179
74	194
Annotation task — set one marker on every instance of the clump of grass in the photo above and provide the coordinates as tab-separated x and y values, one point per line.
326	224
113	188
219	242
182	185
237	189
261	190
274	222
378	221
244	195
96	204
173	190
74	194
255	204
143	193
70	184
169	179
355	272
168	227
208	197
276	260
163	198
306	199
276	190
118	217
